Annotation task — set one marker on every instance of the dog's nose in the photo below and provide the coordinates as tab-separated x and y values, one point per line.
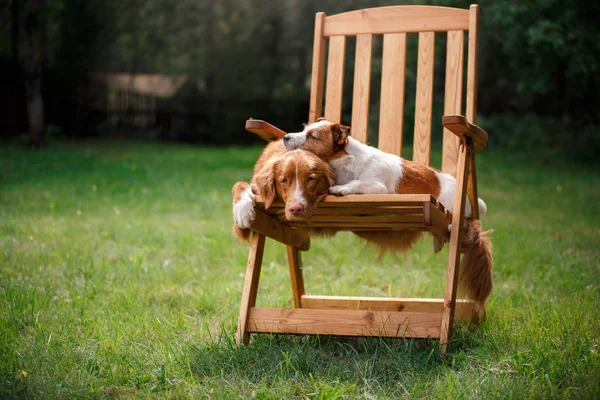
297	210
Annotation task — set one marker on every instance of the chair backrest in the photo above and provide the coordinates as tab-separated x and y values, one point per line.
394	23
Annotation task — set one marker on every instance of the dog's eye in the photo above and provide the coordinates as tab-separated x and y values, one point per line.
284	180
309	135
310	179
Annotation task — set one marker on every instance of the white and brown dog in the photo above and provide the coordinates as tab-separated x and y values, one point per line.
362	169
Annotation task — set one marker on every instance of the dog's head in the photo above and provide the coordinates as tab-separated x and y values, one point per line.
299	178
324	138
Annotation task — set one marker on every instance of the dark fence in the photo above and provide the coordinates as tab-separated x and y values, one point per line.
199	119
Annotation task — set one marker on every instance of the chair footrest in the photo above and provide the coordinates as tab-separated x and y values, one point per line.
358	316
344	322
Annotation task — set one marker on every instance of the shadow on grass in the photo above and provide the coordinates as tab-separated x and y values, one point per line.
392	363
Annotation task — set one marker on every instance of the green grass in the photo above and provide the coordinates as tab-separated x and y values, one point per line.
119	278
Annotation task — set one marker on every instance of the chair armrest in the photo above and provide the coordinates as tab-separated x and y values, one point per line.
462	128
263	129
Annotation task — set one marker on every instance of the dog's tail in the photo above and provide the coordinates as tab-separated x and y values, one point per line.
475	281
393	242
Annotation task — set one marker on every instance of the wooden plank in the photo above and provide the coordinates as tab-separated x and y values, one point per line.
295	266
318	70
461	127
400	210
452	97
263	129
344	322
439	223
472	64
335	78
424	98
392	93
464	308
359	219
362	88
427	213
368	200
396	19
352	225
276	230
376	199
472	187
257	247
471	112
456	234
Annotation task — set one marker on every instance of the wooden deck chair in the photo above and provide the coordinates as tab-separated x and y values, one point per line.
368	316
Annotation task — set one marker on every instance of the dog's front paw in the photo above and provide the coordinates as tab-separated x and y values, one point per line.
340	190
243	210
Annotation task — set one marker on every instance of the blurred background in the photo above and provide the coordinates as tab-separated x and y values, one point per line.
195	70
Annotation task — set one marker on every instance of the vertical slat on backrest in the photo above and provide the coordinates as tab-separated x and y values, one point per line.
472	64
392	93
318	70
362	87
452	97
472	100
335	78
424	98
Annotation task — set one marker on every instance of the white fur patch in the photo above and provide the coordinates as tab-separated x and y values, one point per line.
366	170
243	210
295	140
447	191
298	195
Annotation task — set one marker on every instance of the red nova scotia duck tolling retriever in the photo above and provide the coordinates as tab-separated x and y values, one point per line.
298	178
362	169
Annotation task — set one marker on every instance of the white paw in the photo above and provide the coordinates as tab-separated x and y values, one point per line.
340	190
243	210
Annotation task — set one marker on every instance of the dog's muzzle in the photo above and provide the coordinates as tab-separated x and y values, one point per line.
293	141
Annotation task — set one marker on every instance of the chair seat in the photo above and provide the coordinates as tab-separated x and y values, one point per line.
377	212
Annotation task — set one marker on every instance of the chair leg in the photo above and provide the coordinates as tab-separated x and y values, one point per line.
295	265
257	248
455	242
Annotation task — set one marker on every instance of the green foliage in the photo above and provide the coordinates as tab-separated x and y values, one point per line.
538	58
544	137
119	277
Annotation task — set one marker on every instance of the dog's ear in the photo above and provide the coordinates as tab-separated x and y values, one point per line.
265	182
329	175
321	119
340	134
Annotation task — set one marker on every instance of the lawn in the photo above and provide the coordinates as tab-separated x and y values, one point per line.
119	278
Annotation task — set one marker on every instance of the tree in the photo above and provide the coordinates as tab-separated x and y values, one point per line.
32	63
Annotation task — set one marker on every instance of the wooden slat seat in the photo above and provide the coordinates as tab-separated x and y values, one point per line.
369	212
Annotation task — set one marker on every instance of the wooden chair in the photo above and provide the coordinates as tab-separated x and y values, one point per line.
368	316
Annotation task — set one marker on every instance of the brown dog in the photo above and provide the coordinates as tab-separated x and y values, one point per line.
298	178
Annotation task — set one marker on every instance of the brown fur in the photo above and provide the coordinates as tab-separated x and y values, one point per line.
475	280
418	178
314	177
391	241
301	169
328	142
